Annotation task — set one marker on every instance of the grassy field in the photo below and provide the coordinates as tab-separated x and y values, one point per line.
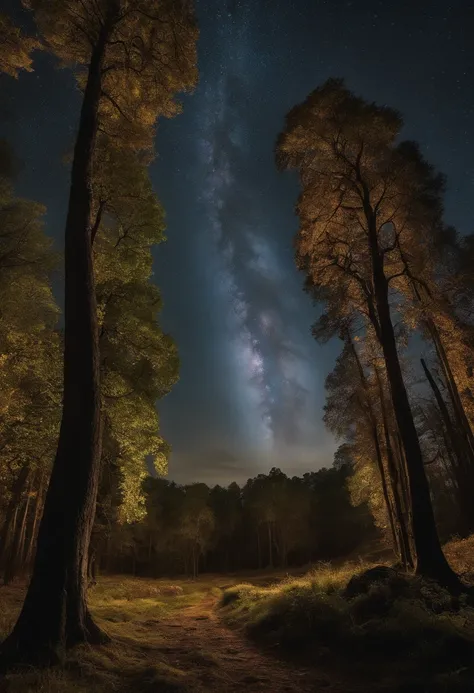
272	633
166	638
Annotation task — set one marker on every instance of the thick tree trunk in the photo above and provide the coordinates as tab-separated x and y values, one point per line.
55	614
430	560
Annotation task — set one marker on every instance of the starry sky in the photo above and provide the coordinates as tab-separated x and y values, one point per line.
251	390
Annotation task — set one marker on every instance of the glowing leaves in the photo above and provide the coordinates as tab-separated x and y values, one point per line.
139	362
15	48
150	56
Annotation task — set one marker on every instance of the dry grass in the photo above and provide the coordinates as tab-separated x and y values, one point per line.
460	553
130	611
167	637
405	634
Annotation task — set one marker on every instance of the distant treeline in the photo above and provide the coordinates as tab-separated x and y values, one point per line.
271	521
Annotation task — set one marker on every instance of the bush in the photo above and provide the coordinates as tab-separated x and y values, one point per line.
365	620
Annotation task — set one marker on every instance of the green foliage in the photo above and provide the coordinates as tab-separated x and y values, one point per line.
139	363
193	528
30	364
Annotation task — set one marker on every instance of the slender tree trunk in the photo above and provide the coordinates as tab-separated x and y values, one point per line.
91	568
378	451
21	547
32	538
15	495
458	407
13	562
462	469
270	544
36	515
55	614
259	548
397	492
430	560
385	493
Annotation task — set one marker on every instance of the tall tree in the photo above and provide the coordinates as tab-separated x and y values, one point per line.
364	201
131	57
30	360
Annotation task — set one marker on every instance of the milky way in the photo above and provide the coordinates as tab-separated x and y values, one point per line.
251	387
251	393
268	366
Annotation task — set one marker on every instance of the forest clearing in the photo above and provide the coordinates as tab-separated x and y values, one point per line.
264	632
211	480
167	637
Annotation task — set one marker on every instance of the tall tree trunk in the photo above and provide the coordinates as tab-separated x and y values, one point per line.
430	559
55	614
21	546
14	553
378	451
386	496
458	407
396	485
36	515
270	544
462	469
34	526
91	571
16	493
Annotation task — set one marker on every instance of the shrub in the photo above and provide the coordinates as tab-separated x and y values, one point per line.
412	623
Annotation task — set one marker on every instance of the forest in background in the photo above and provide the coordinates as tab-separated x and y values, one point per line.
390	280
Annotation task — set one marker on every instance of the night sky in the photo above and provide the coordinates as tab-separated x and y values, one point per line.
252	379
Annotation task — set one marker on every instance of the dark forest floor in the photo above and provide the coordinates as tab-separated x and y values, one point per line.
167	638
174	637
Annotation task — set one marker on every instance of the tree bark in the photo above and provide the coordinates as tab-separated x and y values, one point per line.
430	560
270	545
55	614
461	469
36	516
15	550
458	407
395	474
16	492
378	451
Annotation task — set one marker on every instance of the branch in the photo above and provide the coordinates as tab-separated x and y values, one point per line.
98	219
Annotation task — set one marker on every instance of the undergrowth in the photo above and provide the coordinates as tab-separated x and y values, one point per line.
405	633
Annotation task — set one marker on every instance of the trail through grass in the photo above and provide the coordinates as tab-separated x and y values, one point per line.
166	638
293	634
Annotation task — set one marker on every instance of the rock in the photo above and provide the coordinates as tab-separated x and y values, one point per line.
360	584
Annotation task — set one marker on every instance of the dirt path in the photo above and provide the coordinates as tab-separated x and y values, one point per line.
221	660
